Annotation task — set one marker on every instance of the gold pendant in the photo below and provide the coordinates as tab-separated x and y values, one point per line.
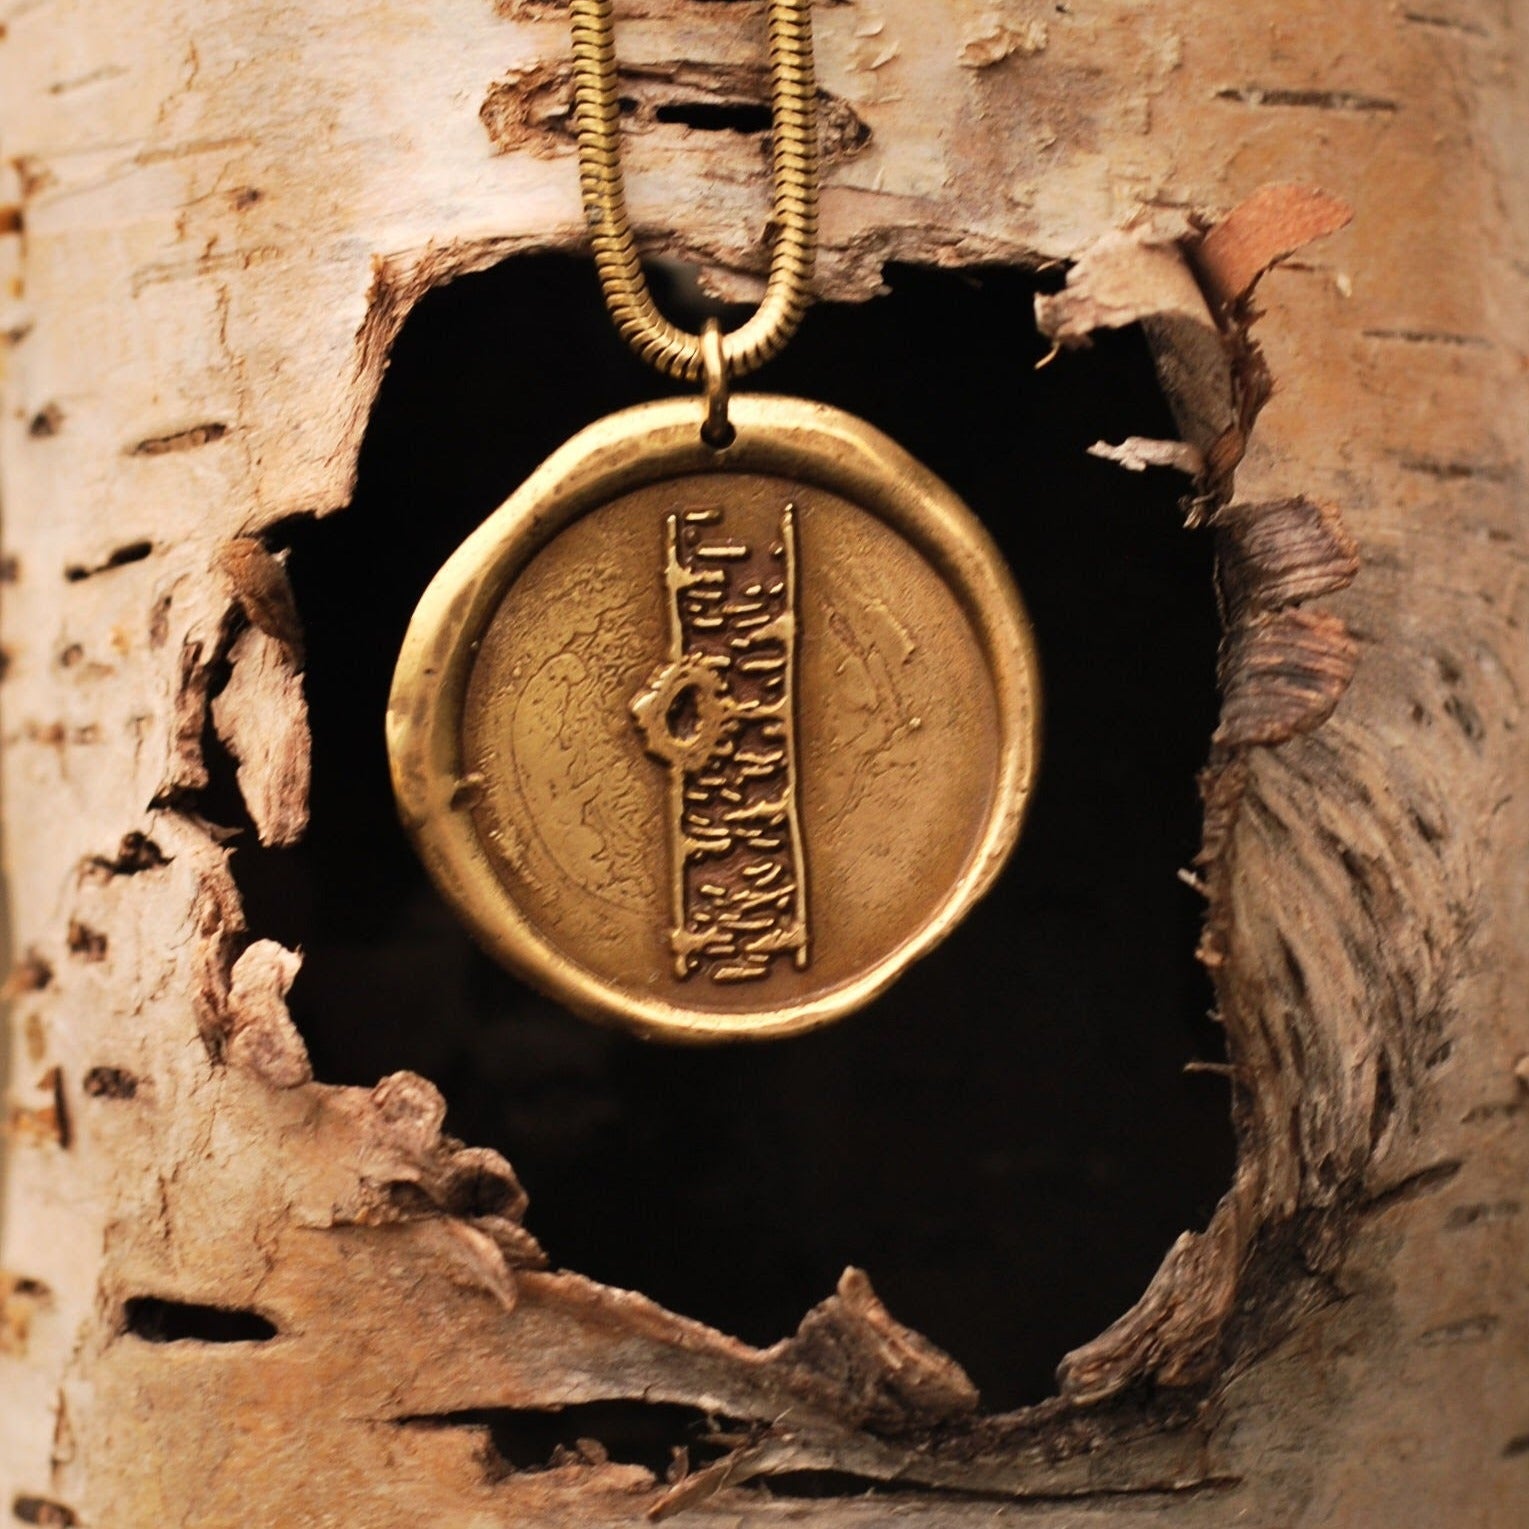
714	742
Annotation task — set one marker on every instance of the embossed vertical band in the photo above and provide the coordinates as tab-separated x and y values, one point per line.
735	834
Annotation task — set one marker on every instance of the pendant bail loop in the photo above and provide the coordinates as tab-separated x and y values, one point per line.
717	430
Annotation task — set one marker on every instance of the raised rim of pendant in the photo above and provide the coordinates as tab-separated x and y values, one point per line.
790	437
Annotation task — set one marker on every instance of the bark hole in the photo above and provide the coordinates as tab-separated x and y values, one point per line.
27	1509
717	116
157	1320
1008	1141
649	1434
110	1083
120	557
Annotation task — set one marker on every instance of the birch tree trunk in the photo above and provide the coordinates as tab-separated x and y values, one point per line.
214	219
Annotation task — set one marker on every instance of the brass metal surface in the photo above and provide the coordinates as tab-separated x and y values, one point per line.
714	742
793	211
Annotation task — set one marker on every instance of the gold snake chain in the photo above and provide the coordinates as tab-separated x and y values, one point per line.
597	120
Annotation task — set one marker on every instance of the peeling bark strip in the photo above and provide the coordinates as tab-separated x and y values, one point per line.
1141	277
261	1035
1160	275
250	244
1271	225
1283	674
1284	670
258	579
1269	556
221	935
1003	41
185	768
1174	1333
891	1380
262	720
411	1171
1137	453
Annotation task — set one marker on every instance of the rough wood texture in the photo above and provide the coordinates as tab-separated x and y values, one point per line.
213	220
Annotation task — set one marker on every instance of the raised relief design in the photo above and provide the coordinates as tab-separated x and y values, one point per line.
720	713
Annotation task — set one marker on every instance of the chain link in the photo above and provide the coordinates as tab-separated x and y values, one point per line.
597	120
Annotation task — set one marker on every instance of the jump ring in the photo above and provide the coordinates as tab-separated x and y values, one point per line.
717	431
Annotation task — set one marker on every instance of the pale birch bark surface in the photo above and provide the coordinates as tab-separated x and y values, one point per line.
215	217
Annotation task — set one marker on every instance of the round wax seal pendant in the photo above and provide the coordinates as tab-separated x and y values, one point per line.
714	742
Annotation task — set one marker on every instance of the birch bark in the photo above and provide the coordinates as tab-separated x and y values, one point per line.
213	220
